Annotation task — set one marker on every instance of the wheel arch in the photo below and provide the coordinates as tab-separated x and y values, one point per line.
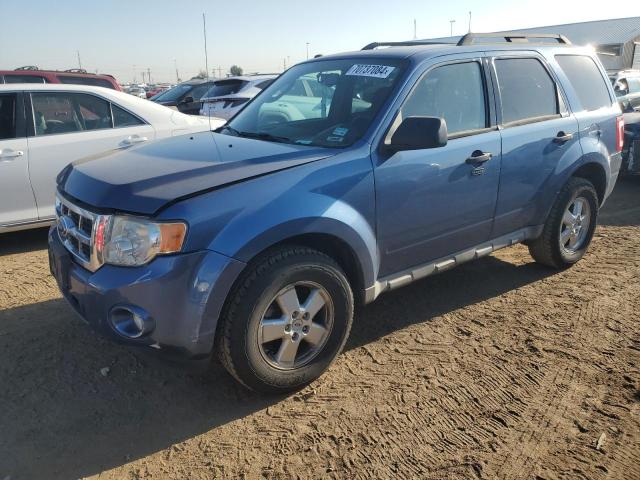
596	174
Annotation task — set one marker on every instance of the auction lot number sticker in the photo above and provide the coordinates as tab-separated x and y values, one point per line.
376	71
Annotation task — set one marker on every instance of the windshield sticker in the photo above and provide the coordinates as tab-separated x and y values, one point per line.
335	139
340	131
304	142
376	71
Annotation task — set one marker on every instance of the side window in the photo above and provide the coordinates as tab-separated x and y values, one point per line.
454	92
586	79
24	79
122	118
526	89
265	84
8	116
68	112
95	113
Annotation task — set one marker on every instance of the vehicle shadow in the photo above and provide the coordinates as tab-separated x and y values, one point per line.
23	241
623	206
63	415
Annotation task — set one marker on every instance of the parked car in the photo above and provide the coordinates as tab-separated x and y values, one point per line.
73	76
137	92
255	242
44	127
627	89
631	149
184	97
152	92
228	96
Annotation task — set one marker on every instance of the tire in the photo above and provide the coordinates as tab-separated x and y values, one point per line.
264	320
559	246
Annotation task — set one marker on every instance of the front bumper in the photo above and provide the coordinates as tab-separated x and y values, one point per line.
182	294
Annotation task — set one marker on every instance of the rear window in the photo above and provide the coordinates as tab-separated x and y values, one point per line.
225	87
94	82
24	79
526	89
586	79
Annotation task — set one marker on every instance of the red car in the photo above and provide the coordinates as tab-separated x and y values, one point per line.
154	91
73	76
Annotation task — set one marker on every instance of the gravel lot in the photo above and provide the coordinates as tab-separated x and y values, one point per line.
497	369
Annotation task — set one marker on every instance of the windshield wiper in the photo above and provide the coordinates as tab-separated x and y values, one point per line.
257	135
265	136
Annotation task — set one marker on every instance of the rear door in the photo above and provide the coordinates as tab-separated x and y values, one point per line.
17	203
595	107
539	136
71	126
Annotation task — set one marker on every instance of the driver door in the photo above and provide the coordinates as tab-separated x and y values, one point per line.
439	201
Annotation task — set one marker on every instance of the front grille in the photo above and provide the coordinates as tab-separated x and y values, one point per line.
77	229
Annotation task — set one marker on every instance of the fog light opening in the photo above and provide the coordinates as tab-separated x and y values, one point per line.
130	322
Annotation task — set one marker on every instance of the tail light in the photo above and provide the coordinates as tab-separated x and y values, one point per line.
619	133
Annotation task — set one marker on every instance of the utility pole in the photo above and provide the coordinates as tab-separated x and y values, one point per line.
219	71
134	74
79	62
175	64
469	22
415	29
206	56
284	64
452	22
148	75
307	50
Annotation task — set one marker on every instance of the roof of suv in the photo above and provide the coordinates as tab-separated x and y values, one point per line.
423	52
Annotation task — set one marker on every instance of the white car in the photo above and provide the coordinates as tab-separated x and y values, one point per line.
44	127
227	96
137	92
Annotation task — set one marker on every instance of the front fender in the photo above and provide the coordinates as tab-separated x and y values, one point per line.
332	197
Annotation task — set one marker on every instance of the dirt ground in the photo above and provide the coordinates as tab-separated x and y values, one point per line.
497	369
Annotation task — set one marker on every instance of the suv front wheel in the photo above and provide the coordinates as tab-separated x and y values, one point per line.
569	228
286	321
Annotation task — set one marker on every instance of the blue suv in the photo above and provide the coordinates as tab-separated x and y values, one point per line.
350	175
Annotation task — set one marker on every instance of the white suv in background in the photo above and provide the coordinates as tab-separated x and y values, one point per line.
227	96
44	127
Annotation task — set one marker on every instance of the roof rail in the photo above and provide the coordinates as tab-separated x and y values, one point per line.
511	37
413	43
75	70
27	67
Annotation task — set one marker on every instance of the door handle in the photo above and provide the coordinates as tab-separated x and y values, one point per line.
562	137
133	139
595	133
10	154
479	157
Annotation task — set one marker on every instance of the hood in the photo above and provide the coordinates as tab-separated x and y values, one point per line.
144	179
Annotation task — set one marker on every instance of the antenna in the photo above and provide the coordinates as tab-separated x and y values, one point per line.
415	30
79	62
206	56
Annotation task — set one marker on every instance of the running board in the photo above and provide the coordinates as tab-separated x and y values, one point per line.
406	277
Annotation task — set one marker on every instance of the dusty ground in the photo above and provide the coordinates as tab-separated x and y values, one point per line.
499	369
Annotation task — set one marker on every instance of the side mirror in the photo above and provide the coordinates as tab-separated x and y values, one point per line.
188	99
417	133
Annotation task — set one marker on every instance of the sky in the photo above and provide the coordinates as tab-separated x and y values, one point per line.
125	38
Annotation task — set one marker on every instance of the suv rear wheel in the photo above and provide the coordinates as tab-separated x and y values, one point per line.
286	321
570	226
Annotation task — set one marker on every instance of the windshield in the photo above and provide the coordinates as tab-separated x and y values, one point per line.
328	103
173	94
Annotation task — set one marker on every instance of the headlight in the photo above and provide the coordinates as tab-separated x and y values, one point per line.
131	241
